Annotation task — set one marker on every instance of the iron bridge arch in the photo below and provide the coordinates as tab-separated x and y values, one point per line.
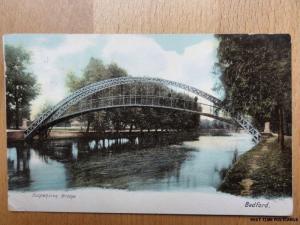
56	112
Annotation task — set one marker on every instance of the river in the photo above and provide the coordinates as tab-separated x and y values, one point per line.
160	164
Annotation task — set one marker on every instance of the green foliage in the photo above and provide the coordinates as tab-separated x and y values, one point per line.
21	85
272	175
95	71
114	71
44	108
255	76
129	118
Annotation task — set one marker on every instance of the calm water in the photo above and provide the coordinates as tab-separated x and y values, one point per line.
161	163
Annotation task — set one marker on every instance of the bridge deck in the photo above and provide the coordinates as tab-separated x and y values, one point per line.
149	101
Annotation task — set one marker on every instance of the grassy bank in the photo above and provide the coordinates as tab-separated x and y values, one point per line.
265	170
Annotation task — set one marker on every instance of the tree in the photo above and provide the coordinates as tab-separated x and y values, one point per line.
95	71
44	108
114	71
21	85
255	76
137	118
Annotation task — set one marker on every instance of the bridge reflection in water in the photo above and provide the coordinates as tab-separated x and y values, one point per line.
105	157
162	162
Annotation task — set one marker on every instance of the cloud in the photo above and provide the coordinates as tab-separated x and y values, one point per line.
51	76
142	56
139	55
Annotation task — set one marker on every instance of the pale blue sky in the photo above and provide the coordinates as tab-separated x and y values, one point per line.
184	57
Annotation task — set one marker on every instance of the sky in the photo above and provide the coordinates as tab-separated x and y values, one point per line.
184	58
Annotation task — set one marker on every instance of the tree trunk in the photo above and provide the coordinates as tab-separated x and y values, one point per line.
118	127
88	126
18	159
17	114
96	144
130	129
281	128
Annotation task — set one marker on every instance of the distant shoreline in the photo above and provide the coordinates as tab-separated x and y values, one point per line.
18	135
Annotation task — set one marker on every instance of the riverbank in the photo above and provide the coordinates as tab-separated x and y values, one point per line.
215	132
265	170
63	133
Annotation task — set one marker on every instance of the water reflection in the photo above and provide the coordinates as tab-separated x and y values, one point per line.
149	162
18	166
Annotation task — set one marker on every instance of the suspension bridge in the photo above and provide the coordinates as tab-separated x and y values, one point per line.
87	100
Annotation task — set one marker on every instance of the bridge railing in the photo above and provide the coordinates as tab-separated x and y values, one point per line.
90	104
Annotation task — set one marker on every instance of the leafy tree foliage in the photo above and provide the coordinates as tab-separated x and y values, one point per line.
44	108
93	72
21	85
129	118
255	77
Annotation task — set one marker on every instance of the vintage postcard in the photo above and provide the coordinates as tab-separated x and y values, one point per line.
158	124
